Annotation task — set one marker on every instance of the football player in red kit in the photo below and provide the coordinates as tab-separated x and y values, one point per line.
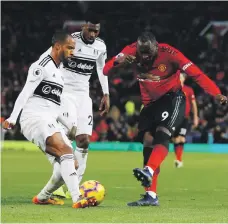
158	67
180	133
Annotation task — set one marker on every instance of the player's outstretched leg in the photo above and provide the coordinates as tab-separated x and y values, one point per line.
57	147
150	197
44	197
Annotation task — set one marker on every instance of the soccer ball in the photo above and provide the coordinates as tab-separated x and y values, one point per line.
93	188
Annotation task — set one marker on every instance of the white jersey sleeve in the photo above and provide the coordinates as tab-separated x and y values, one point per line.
36	74
100	62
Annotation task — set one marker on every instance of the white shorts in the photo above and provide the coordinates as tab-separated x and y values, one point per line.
38	129
76	110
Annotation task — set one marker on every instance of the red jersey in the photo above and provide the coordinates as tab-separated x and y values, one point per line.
190	96
166	67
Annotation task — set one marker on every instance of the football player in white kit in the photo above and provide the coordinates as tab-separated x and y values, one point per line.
76	108
40	102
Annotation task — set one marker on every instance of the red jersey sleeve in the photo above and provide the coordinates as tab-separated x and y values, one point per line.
130	49
192	95
185	65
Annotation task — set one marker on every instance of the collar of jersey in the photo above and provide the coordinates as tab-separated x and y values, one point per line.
53	61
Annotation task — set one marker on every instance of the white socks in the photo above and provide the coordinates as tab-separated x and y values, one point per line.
151	171
53	184
69	175
82	159
152	194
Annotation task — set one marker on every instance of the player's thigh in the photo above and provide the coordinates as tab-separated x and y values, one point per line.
170	111
38	130
85	117
69	113
146	120
57	146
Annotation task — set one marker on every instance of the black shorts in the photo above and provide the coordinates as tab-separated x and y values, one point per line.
182	129
168	111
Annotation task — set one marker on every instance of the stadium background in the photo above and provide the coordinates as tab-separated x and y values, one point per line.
195	194
27	28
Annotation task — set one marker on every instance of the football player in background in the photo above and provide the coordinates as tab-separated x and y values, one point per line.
181	131
76	108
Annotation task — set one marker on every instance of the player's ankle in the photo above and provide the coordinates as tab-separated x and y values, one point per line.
152	194
150	170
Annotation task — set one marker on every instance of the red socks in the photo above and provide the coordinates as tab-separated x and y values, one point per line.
157	156
178	148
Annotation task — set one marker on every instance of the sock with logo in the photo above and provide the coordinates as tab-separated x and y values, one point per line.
70	176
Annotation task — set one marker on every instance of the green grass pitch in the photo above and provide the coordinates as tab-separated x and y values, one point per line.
198	192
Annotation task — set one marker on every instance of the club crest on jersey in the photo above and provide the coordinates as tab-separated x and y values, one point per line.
162	68
37	72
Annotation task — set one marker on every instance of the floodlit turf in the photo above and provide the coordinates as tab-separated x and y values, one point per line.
196	193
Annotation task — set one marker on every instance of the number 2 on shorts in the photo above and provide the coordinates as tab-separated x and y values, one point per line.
165	114
90	120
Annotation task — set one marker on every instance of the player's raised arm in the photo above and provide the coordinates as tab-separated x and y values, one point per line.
120	61
199	77
35	76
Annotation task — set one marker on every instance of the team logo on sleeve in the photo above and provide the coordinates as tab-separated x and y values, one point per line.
37	72
162	68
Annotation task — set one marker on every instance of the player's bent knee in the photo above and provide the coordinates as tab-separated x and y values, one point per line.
148	140
82	141
57	148
176	140
182	139
162	136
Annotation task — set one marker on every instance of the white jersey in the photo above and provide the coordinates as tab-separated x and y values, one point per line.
87	59
41	95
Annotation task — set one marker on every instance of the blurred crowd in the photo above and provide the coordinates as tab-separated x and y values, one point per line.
27	28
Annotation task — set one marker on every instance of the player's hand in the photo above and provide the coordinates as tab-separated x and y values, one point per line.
105	105
221	98
125	59
7	124
151	77
195	122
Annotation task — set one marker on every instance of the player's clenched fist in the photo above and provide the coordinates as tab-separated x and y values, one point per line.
124	59
221	98
7	124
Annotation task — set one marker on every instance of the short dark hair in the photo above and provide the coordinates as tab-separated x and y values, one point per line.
92	18
59	36
147	36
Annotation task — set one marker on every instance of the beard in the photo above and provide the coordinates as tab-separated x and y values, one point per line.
63	58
